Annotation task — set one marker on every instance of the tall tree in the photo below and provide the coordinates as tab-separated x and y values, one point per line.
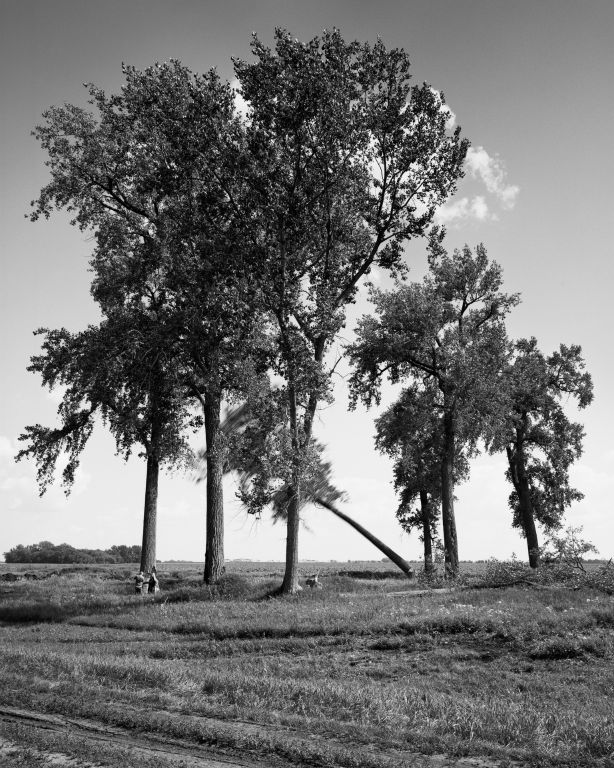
122	371
411	432
156	174
351	161
540	442
447	332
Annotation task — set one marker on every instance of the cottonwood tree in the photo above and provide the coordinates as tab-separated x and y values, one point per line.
122	371
446	333
411	432
540	442
350	162
155	173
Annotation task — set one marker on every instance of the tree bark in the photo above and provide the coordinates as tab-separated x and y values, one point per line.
450	540
517	462
390	553
290	583
148	549
425	510
214	551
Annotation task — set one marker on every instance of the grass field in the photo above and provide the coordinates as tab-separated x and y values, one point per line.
370	671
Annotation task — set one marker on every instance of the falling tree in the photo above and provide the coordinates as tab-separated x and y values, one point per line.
257	436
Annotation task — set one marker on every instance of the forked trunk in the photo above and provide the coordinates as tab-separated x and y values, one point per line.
450	541
390	553
425	512
214	552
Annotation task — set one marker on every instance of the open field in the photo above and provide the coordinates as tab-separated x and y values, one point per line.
355	674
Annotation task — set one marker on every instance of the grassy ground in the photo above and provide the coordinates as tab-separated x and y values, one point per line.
349	675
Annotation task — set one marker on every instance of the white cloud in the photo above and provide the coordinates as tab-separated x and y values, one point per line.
450	115
492	173
6	447
465	208
20	483
479	208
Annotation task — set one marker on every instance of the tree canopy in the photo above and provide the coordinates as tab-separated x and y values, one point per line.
350	162
447	332
540	441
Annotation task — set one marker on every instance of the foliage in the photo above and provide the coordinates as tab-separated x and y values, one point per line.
258	444
411	432
446	336
156	174
123	371
540	441
568	549
447	330
350	161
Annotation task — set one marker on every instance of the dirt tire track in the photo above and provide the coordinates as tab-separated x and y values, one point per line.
169	748
193	756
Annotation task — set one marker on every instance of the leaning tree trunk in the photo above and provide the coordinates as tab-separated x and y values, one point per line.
518	472
150	513
214	552
390	553
450	540
425	512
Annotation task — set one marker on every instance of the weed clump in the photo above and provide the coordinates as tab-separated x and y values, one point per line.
552	649
230	587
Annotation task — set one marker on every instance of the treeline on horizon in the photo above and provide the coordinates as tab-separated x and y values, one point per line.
46	552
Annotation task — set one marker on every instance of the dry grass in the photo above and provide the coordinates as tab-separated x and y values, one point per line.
504	673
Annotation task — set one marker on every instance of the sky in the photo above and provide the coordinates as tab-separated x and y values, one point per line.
527	81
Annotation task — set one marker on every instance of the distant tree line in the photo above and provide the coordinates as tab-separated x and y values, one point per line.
46	552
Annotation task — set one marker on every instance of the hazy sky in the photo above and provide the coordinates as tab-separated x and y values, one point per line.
528	81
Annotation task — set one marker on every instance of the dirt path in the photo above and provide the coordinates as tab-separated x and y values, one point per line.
173	750
187	754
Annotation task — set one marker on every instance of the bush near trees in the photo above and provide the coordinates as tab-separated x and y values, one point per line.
46	552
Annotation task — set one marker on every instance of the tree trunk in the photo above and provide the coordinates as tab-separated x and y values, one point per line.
148	549
214	552
390	553
290	583
518	472
425	511
450	541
